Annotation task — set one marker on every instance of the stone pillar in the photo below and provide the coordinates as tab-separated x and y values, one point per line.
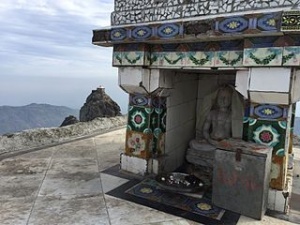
268	125
146	127
147	111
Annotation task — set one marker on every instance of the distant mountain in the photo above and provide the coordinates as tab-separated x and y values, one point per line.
18	118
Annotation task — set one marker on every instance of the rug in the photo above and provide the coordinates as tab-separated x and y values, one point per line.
197	207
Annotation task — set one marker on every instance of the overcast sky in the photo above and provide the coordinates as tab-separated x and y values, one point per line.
46	54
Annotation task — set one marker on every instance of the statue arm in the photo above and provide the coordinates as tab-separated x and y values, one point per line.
206	129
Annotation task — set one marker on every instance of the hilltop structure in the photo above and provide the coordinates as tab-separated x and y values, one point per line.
171	55
99	104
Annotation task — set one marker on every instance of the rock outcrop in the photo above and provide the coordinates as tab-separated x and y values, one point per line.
69	120
99	104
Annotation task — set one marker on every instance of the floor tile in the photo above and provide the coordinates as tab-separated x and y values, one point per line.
110	182
69	210
78	183
15	211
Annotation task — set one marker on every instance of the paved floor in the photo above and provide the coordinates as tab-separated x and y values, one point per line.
64	185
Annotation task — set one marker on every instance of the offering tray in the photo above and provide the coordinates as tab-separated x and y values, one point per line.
180	182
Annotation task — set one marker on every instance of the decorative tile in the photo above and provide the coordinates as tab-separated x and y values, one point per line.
268	22
290	21
159	102
139	100
139	119
270	133
138	144
228	58
233	25
118	34
263	57
117	58
205	59
141	33
172	59
169	30
133	58
268	112
277	172
291	56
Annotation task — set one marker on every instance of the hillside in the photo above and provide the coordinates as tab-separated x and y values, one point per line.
18	118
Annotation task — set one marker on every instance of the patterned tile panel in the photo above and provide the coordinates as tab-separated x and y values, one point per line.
290	21
228	59
291	56
238	25
203	59
232	25
270	133
269	112
138	144
139	100
268	22
139	119
263	57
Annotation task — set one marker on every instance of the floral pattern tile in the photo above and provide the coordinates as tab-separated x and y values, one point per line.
268	112
291	56
139	119
263	57
171	59
229	58
138	144
117	58
204	59
270	133
133	58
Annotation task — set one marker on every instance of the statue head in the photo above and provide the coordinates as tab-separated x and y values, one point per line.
224	97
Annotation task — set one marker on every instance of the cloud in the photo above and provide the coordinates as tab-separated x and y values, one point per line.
47	56
45	33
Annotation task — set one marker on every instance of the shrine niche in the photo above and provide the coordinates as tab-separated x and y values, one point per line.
171	55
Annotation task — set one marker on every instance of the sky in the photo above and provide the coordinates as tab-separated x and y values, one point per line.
47	55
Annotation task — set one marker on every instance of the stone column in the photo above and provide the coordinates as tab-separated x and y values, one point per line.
147	111
268	125
146	127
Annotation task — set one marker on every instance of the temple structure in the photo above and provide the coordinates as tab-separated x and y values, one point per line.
172	53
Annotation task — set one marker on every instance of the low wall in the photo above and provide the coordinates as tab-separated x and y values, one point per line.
44	137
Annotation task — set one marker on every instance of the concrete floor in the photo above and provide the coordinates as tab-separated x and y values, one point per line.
64	185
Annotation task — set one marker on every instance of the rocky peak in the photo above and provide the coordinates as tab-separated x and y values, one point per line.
99	104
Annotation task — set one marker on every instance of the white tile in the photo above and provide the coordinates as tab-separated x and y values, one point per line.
270	79
269	98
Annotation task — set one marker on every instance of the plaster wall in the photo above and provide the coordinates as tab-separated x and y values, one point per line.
181	118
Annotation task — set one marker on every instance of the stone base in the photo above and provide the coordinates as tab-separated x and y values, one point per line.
141	166
278	200
200	158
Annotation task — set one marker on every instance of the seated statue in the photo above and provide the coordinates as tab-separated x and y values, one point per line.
217	126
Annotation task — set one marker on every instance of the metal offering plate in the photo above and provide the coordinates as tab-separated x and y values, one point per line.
180	182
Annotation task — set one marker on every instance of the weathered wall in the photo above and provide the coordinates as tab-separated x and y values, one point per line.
181	118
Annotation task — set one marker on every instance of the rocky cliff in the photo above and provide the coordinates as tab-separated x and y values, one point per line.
98	104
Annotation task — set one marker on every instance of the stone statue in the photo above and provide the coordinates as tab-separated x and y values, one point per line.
217	126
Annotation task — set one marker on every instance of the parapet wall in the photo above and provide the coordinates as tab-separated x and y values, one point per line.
143	11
